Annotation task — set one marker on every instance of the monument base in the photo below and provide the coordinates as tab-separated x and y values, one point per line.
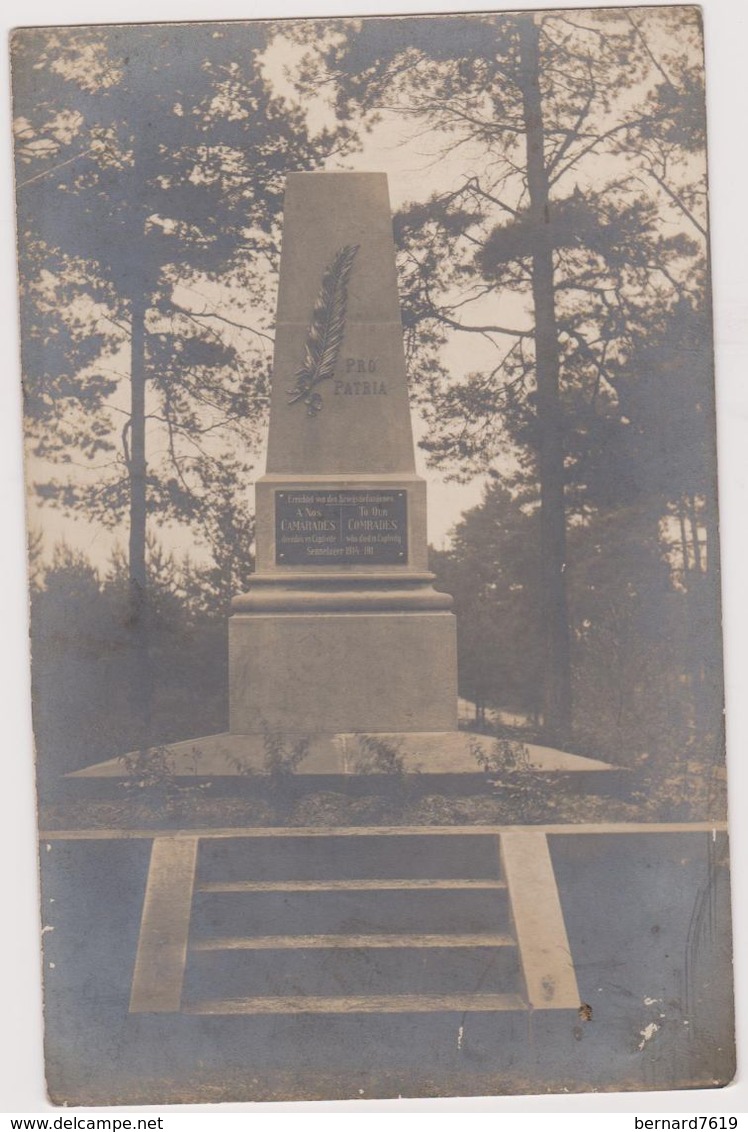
428	755
346	671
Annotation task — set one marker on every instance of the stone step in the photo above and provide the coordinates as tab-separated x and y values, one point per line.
355	969
348	912
374	1004
366	885
375	856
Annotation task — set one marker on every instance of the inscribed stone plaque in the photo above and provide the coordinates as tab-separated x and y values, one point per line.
341	526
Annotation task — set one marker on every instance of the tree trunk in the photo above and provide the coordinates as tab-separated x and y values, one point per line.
711	505
556	698
140	288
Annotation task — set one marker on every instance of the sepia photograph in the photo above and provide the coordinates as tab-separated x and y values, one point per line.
373	556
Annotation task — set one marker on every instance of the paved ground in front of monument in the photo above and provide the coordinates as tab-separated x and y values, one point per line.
647	918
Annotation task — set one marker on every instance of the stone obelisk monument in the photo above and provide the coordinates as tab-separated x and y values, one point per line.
341	630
